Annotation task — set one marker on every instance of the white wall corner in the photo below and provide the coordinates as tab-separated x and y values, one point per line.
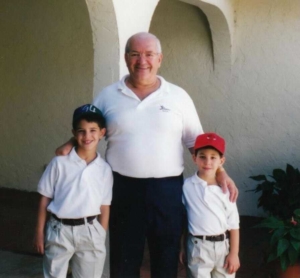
133	16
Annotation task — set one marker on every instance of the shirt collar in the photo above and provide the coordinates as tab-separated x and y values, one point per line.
164	86
197	180
75	157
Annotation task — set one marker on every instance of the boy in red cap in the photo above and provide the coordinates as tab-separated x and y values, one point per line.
212	241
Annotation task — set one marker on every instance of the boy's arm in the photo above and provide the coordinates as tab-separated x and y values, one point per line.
66	148
41	220
232	261
104	216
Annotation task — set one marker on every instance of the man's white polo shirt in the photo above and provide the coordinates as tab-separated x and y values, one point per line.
209	210
145	138
77	189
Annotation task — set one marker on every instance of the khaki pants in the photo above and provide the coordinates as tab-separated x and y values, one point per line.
206	258
83	246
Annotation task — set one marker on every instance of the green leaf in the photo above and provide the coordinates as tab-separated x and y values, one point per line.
295	233
279	175
267	186
270	222
284	261
277	235
292	254
289	169
282	246
295	244
258	178
297	212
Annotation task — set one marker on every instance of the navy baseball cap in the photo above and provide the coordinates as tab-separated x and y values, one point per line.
86	109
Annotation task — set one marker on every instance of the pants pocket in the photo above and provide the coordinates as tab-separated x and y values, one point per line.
97	234
53	228
98	227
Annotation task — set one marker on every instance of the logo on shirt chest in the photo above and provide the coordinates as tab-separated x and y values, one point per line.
164	109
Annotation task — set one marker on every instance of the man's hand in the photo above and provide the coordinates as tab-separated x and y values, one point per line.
232	263
66	148
227	183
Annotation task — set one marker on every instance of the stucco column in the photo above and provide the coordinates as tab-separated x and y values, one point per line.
105	42
133	16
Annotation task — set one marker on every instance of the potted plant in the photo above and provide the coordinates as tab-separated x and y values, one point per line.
280	198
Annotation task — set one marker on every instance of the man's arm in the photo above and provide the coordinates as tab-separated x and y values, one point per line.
225	182
232	261
41	220
104	216
66	148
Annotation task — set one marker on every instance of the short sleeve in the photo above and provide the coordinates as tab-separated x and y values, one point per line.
233	220
107	191
191	123
46	185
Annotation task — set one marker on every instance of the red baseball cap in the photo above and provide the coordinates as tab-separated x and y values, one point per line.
210	140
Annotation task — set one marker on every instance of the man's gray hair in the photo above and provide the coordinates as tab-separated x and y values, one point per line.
143	34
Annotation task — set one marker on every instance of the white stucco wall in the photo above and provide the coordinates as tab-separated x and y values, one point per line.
55	55
46	71
257	108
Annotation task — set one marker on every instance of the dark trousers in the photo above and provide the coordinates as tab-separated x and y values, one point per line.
145	208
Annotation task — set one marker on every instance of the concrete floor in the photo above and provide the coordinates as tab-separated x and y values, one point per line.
17	258
13	265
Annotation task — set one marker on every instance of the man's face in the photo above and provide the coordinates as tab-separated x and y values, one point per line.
143	60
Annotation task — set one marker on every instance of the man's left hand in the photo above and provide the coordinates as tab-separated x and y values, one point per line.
227	183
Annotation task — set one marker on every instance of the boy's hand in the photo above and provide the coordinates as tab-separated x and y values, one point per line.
232	263
227	184
39	243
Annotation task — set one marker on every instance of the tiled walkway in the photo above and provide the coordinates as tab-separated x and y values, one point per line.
17	221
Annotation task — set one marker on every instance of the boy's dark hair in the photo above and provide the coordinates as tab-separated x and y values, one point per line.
91	118
208	147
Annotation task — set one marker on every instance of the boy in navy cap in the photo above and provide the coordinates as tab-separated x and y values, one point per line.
212	242
77	190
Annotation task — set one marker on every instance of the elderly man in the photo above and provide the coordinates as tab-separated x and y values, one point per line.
148	122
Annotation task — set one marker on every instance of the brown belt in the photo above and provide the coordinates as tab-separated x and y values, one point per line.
75	222
220	237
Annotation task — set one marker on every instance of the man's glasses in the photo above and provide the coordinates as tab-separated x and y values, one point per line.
137	55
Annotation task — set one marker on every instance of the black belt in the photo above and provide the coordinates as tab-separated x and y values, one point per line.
75	222
220	237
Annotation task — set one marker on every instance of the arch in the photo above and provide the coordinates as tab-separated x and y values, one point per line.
105	42
220	15
113	22
132	17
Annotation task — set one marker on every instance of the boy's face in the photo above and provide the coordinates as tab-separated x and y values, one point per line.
88	135
208	161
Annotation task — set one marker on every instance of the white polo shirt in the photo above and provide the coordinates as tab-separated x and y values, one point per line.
146	138
209	210
77	189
